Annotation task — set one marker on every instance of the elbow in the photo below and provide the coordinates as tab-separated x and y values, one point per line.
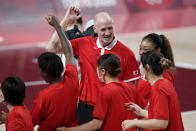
96	124
164	124
49	48
53	47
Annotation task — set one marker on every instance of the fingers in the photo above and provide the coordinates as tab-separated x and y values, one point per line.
124	125
130	103
52	20
75	9
48	18
131	106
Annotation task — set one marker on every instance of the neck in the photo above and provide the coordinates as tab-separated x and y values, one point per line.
154	78
10	107
111	79
57	80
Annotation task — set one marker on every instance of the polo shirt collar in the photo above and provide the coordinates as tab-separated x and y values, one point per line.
109	47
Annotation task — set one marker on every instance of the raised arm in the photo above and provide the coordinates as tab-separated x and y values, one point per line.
72	14
65	44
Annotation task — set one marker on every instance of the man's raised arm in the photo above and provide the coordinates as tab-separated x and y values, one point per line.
72	14
65	44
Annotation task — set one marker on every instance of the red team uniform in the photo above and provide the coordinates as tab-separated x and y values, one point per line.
110	106
169	75
19	119
143	88
56	105
89	50
164	105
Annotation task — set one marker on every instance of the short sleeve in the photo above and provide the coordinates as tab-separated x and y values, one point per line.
81	44
71	72
131	71
75	46
159	105
169	75
14	124
143	92
102	105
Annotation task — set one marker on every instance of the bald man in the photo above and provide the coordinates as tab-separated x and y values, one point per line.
89	49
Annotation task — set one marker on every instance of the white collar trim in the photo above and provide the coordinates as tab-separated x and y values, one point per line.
109	47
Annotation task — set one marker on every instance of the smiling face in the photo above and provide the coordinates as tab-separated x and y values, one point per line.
104	28
146	46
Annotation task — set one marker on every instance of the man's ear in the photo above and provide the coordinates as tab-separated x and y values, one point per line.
95	29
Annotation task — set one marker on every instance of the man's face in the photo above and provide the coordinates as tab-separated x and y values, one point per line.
105	31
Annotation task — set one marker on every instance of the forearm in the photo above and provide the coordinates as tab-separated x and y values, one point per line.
65	44
90	126
53	45
151	124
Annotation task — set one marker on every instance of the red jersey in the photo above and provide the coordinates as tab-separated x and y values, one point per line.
110	106
144	87
143	92
169	75
19	119
56	105
164	105
89	50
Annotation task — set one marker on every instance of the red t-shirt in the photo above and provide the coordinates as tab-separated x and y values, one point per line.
19	119
56	105
143	92
143	88
169	75
164	105
110	106
89	52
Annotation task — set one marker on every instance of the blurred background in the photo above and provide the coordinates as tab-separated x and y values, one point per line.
24	33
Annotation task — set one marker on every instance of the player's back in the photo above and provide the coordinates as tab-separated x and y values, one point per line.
117	94
58	103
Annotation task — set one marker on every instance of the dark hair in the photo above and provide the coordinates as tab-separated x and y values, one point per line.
156	61
161	41
51	64
79	21
13	89
111	63
90	32
74	33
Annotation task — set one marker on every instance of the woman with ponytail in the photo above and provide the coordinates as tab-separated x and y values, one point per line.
164	110
109	110
161	44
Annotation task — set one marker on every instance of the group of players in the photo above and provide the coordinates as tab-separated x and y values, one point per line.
114	94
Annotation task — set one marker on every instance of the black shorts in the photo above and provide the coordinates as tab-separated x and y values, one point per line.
84	112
